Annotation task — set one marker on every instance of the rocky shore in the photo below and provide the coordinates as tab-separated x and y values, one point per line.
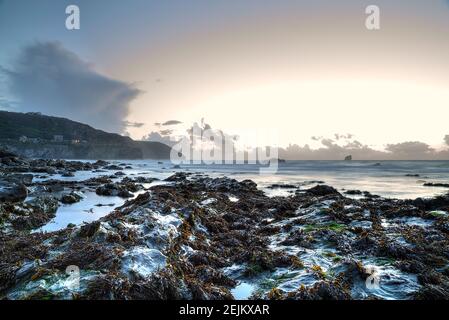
197	237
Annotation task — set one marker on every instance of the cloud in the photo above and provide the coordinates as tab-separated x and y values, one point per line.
330	150
411	148
171	123
133	124
343	136
6	104
328	143
48	78
218	138
166	132
157	137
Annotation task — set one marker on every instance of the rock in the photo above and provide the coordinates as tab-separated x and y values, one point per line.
13	192
370	195
179	176
432	292
106	190
442	185
440	202
431	277
116	189
323	190
144	180
89	230
113	167
100	163
48	170
365	242
248	186
25	179
323	291
282	186
411	266
353	192
7	154
55	187
124	194
34	214
45	204
67	174
70	198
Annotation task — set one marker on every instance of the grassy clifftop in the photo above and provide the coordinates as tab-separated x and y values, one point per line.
13	125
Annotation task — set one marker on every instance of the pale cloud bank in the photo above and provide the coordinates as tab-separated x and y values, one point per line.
48	78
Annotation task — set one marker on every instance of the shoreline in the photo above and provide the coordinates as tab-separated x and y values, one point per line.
191	236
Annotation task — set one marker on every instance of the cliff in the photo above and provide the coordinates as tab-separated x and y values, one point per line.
39	136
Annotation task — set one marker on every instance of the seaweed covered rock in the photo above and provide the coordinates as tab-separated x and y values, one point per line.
30	215
71	198
123	190
322	291
322	190
13	192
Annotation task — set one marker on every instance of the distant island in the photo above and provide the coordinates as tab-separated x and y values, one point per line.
35	135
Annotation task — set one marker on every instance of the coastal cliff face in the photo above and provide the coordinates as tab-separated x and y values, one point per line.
37	136
67	151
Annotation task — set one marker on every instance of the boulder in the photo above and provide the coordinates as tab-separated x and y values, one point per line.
70	198
25	179
323	190
114	189
101	163
12	192
7	154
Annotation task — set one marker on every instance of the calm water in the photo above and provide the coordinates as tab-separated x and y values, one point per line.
385	178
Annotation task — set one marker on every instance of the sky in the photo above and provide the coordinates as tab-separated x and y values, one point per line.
309	70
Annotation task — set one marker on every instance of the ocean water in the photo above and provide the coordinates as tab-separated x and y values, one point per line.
390	179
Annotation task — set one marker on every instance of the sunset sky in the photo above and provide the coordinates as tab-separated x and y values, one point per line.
304	68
